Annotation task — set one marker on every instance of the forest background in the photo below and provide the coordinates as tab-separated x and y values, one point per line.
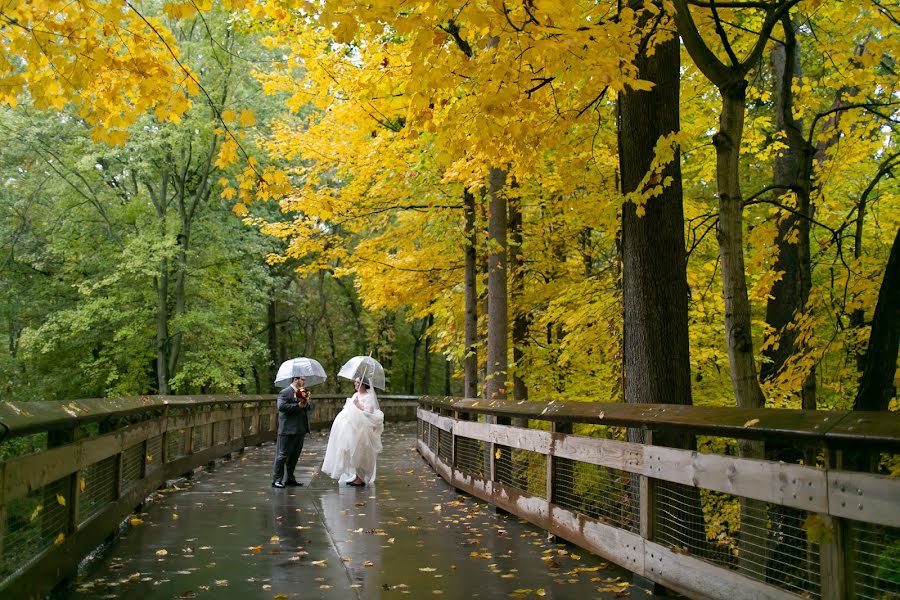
527	198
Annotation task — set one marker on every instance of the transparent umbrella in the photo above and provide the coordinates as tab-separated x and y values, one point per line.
364	368
308	368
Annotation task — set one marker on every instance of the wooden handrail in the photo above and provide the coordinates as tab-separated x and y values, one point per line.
833	428
24	418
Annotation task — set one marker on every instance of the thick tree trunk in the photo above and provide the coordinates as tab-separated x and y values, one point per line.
877	385
470	361
498	327
517	287
654	281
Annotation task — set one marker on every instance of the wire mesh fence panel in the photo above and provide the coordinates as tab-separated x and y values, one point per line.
874	552
524	470
176	443
248	426
470	456
432	437
221	432
97	483
34	523
201	437
602	493
154	453
265	421
767	542
132	463
420	429
445	446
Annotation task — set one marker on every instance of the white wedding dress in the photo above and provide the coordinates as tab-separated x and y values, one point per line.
355	440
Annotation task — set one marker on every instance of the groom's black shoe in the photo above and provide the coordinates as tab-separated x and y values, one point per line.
277	484
292	483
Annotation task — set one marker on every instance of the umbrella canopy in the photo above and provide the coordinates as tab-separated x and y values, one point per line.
364	368
308	368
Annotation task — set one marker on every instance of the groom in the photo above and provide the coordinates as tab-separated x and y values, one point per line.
293	425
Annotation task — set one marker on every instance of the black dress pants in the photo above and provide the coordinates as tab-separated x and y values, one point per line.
287	452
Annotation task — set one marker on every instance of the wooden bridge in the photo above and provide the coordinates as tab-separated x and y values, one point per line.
517	479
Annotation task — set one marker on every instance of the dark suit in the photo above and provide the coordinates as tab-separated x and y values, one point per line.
293	425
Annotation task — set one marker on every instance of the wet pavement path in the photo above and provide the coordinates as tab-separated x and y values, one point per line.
228	534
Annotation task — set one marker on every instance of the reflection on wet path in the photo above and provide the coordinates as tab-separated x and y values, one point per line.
228	534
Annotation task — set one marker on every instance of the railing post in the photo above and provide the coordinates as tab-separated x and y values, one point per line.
834	560
647	497
561	429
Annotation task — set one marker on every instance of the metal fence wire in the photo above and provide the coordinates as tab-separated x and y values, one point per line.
876	553
523	470
470	456
176	444
201	437
132	463
433	437
221	431
767	542
445	446
34	523
97	483
154	453
602	493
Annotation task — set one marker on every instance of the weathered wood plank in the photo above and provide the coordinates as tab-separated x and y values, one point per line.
864	497
473	430
803	426
535	440
697	578
797	486
616	545
625	456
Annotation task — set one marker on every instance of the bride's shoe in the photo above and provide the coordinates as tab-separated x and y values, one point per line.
356	482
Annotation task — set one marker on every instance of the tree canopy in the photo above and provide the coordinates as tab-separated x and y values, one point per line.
195	191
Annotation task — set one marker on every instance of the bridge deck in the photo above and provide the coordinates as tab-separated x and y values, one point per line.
227	534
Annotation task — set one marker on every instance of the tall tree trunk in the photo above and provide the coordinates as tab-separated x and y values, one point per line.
426	361
272	344
877	385
498	327
730	79
792	171
517	287
738	331
470	360
160	202
654	279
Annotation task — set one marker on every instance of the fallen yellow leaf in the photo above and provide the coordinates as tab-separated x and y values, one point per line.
255	549
162	552
81	484
61	500
427	569
135	521
751	422
60	539
274	538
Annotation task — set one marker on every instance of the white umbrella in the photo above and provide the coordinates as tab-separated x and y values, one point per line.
308	368
364	368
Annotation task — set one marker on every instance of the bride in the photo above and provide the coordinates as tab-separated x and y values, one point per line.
355	439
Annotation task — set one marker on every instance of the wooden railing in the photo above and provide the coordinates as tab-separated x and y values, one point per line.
92	462
707	523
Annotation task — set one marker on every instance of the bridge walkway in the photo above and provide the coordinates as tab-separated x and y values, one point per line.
226	533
